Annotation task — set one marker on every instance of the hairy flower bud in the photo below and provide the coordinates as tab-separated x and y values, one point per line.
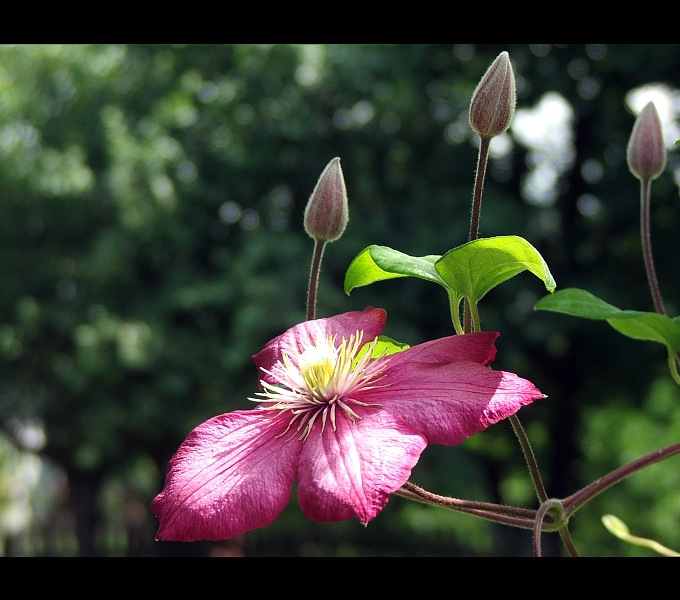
493	102
646	151
327	211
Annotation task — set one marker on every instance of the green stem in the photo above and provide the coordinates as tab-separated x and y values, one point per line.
529	457
474	317
568	542
553	514
541	515
553	508
499	513
577	500
476	210
454	307
645	234
673	361
315	270
645	187
480	174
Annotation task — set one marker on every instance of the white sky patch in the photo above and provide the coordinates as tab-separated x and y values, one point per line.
500	146
546	131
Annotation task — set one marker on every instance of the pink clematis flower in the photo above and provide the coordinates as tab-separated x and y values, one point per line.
347	426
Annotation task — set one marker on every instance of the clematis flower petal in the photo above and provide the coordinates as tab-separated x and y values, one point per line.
351	472
473	347
230	475
370	320
449	402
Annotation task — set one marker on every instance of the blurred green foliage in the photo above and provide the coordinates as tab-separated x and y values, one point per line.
151	241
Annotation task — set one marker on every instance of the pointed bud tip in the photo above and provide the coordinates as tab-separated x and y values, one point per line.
327	211
493	101
646	151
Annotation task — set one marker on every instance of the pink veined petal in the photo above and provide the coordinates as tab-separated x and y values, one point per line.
352	471
475	347
447	403
370	320
230	475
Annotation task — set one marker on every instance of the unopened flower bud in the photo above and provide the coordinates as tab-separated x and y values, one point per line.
493	102
646	151
327	211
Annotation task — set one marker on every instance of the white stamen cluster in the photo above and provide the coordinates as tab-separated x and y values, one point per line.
322	378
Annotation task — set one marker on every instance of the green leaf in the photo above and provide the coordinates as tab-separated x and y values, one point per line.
378	263
383	347
648	326
480	265
468	271
651	327
386	345
580	303
617	527
635	324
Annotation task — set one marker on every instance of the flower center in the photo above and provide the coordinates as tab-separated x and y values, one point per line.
314	384
317	365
